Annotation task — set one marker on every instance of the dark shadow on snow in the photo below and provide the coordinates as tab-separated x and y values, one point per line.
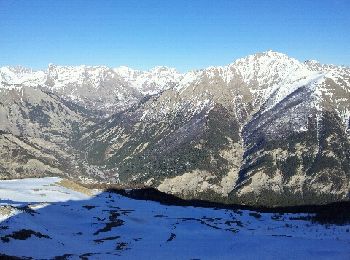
101	225
106	217
333	213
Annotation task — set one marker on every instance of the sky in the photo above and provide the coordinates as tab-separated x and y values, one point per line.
185	34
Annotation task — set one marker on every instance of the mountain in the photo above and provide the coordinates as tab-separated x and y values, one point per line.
264	130
98	88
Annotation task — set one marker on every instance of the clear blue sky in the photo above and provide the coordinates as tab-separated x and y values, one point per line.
187	34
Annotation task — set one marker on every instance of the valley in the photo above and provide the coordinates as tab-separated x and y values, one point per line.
265	130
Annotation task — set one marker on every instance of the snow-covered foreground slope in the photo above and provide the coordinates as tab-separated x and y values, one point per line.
40	218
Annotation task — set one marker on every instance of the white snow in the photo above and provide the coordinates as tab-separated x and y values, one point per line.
269	77
37	190
13	77
150	82
108	225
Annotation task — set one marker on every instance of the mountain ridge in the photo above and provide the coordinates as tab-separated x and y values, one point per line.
263	130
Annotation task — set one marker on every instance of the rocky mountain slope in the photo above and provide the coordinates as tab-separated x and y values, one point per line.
264	130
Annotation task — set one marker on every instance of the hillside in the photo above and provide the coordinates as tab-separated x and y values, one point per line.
265	130
63	220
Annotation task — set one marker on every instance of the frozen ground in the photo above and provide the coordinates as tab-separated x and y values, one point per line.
41	219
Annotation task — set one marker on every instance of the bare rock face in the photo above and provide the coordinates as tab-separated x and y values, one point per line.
265	130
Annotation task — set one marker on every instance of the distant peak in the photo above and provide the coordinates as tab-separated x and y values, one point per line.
273	53
266	55
123	67
82	66
314	62
16	69
165	69
160	68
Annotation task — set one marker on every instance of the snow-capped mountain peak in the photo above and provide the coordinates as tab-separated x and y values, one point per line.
152	81
262	123
11	77
262	74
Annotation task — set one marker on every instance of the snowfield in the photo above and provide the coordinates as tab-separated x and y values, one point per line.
43	218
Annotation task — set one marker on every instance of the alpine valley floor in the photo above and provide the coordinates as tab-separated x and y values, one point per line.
52	218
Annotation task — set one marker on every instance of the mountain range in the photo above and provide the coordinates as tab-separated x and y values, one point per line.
265	130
